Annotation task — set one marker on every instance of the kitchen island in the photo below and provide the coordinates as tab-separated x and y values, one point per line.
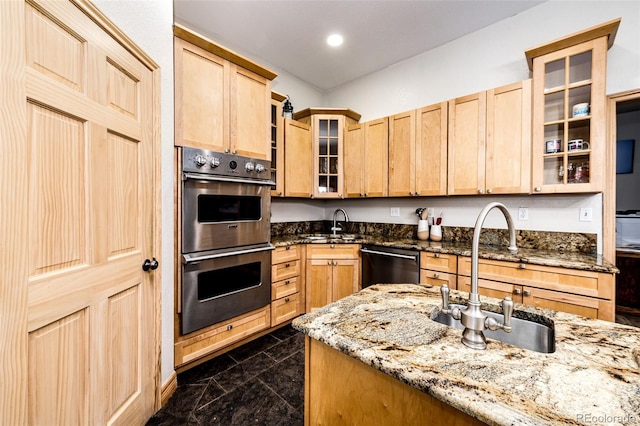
593	377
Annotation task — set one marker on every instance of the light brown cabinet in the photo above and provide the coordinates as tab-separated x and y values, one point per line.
222	101
489	141
579	292
569	103
277	144
287	287
366	159
298	159
332	272
328	125
437	269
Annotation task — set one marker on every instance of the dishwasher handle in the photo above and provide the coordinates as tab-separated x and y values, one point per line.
383	253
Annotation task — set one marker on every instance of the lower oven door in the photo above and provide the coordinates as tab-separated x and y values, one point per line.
223	285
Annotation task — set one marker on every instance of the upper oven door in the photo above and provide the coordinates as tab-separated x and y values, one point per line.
222	213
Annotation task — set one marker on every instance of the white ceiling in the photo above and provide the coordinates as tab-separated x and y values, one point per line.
290	34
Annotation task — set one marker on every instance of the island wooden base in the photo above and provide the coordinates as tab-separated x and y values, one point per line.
340	390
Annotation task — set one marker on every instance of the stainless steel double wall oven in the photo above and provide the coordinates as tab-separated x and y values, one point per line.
226	227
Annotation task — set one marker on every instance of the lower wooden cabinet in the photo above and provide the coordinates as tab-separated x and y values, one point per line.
437	269
333	272
221	335
578	292
286	284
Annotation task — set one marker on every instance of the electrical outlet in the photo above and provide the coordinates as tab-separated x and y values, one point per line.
395	211
586	214
523	213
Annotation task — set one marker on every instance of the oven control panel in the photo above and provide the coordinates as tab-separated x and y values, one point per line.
222	164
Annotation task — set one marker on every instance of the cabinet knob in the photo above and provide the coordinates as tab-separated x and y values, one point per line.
229	327
287	265
332	246
437	255
226	150
287	248
366	195
436	275
489	191
340	195
417	193
286	300
516	291
411	193
527	293
335	263
287	282
479	191
361	194
279	193
329	263
537	189
522	266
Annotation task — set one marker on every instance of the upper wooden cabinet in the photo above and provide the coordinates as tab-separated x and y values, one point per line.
490	141
366	159
222	100
328	125
277	144
298	159
569	101
418	152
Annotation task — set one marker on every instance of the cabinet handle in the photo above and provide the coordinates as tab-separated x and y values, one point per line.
286	300
226	150
333	246
436	275
527	293
366	195
489	191
516	291
286	265
340	195
361	194
229	327
329	263
280	194
417	193
411	193
234	152
335	263
287	282
479	191
287	248
523	266
537	189
437	255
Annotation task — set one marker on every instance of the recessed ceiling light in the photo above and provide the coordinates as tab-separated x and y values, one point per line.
334	40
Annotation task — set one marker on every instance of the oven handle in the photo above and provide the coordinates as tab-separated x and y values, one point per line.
187	258
186	176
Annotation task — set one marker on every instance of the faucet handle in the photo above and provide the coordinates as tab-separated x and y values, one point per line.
507	311
444	290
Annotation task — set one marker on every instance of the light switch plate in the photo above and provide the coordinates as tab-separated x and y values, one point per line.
395	211
586	214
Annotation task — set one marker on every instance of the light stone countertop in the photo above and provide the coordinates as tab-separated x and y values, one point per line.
571	260
593	377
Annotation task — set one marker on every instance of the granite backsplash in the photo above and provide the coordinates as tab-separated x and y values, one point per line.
539	240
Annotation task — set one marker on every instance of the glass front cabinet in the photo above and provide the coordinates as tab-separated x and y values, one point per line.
328	126
569	117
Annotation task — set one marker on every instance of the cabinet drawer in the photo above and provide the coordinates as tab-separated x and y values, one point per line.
492	289
285	309
333	251
284	288
285	254
439	262
576	281
572	303
285	270
221	335
438	278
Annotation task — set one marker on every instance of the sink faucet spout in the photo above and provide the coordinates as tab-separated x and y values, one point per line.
335	226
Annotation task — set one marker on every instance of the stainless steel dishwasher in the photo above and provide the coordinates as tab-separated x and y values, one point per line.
388	265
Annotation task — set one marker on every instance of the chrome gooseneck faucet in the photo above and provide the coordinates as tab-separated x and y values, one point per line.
335	226
472	317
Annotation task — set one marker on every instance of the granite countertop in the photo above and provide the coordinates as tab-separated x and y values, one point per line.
593	377
572	260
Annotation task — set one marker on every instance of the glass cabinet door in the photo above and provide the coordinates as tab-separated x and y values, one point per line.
569	119
328	145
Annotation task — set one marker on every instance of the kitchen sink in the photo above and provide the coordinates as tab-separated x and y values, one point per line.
525	334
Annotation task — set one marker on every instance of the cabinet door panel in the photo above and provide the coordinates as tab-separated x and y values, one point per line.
467	144
375	158
508	156
346	278
353	160
431	150
250	114
402	154
438	278
202	97
298	159
492	289
319	278
571	303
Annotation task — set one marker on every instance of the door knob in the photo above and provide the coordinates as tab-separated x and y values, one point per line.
150	265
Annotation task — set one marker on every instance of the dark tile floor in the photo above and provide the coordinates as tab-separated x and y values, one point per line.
260	383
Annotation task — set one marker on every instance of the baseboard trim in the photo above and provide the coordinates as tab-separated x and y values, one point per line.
168	388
